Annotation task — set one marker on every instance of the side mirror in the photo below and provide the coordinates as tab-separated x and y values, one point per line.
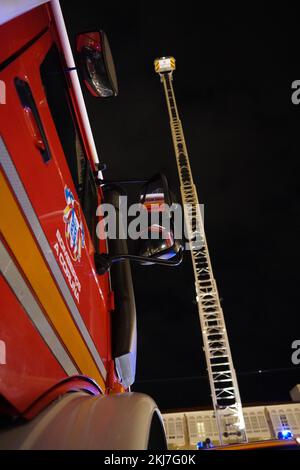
157	244
96	64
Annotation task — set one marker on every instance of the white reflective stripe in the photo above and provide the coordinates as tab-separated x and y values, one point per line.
15	280
22	198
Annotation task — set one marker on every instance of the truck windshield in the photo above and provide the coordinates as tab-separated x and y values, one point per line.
56	90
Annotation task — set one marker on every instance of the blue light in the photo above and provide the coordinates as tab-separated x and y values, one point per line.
285	435
207	444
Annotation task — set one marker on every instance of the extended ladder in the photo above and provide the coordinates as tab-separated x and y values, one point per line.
222	377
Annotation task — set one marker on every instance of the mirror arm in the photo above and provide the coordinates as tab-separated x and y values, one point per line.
103	262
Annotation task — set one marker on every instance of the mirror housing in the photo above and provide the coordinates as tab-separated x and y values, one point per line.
96	64
156	197
159	245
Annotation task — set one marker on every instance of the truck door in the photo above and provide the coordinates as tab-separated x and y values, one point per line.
47	181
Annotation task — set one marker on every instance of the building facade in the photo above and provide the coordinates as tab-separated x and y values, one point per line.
188	428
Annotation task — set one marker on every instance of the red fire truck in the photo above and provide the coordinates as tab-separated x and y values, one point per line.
67	310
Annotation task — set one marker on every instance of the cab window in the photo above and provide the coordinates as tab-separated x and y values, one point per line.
60	106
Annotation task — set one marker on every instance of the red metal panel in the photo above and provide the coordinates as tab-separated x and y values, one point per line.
45	183
18	32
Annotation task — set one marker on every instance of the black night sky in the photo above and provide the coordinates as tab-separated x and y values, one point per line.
233	88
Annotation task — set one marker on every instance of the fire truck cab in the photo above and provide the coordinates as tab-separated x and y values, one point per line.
67	333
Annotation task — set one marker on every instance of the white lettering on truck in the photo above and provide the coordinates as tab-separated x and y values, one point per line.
67	266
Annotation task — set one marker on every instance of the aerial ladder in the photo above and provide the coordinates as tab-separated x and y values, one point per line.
222	377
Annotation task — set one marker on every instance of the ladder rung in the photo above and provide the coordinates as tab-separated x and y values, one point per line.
223	380
217	341
221	372
221	364
218	357
214	334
